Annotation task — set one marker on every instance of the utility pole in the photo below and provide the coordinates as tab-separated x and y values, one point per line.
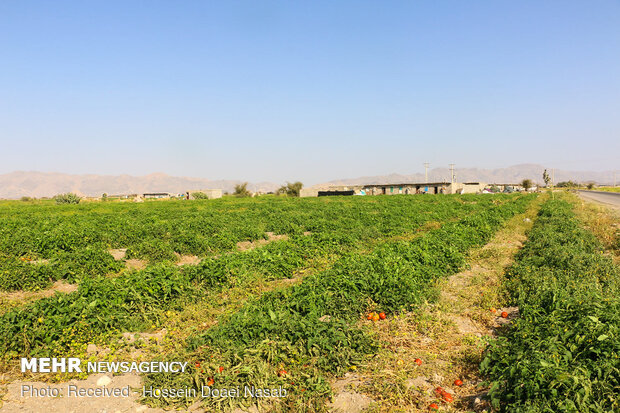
426	172
451	173
553	177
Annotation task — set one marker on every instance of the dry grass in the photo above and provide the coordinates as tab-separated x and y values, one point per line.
449	336
602	221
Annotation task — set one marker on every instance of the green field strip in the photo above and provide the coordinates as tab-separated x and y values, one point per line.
75	246
563	353
312	328
97	308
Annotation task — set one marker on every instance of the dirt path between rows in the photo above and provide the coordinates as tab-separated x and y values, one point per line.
447	338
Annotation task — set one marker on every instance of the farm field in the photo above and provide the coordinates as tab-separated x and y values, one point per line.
270	291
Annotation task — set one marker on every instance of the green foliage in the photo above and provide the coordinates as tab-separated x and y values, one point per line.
567	184
381	252
101	304
316	323
291	189
546	177
563	353
199	195
241	190
68	198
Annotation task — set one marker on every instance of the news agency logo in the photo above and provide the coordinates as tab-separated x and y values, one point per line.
73	365
51	365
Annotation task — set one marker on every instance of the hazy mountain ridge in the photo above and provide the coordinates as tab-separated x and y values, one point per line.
511	174
46	184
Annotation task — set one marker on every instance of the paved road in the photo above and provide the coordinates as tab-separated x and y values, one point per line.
611	199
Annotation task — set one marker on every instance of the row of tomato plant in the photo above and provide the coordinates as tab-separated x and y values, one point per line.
314	329
563	353
43	243
128	302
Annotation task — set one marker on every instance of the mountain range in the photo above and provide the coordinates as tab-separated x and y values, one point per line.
15	185
45	184
508	175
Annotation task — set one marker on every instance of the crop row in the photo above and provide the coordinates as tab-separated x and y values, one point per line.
314	328
137	299
43	243
563	353
129	302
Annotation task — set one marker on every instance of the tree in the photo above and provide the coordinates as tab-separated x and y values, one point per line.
566	184
104	197
68	198
241	190
291	189
527	184
546	178
199	195
590	185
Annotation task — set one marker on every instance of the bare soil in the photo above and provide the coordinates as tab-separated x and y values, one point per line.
59	286
250	245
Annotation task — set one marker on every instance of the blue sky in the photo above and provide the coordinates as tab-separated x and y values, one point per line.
307	90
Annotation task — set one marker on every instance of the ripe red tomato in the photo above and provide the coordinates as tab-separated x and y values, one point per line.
504	314
369	317
221	369
433	406
418	362
382	316
439	391
447	397
458	382
282	373
197	364
210	381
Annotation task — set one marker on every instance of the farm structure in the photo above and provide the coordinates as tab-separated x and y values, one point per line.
210	193
152	195
394	189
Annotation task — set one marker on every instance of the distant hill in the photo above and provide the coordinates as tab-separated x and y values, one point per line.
42	184
511	174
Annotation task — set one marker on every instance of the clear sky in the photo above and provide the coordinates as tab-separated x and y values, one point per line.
314	90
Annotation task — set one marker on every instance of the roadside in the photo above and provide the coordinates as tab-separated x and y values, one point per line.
609	199
604	222
441	342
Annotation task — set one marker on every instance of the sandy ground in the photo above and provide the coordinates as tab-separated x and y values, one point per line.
59	286
250	245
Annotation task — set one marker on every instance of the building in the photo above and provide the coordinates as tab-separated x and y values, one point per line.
395	189
156	195
210	193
